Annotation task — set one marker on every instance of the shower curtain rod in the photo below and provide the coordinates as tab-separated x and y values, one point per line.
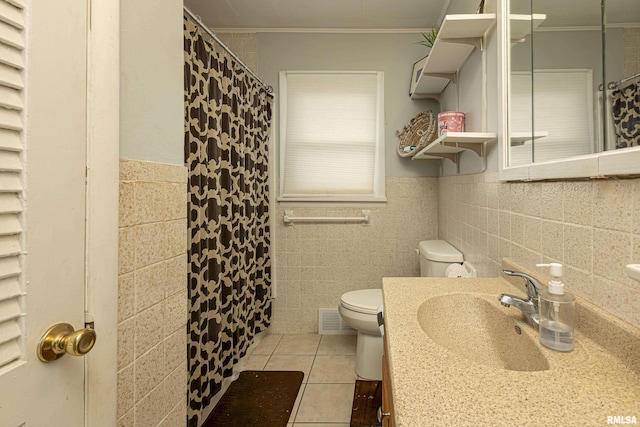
614	85
199	22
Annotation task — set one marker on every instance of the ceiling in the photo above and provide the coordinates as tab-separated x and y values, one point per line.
388	15
407	15
585	13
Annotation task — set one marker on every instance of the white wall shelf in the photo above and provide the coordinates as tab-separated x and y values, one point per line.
519	138
458	36
450	145
522	25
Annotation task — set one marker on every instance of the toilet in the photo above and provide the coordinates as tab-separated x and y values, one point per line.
359	308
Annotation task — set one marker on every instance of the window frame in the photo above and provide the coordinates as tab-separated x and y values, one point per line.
377	197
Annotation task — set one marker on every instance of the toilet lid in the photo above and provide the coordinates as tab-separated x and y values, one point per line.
364	301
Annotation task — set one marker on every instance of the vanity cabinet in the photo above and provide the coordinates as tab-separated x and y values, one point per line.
387	401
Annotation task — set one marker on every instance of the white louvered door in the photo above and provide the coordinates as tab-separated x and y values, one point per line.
43	127
11	127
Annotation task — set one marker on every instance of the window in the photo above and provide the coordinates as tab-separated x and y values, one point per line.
331	136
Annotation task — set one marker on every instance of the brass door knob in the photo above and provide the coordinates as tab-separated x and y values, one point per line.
61	338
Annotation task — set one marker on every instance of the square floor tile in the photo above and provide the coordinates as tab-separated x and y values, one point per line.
298	344
267	344
291	363
333	369
296	405
335	345
256	362
326	403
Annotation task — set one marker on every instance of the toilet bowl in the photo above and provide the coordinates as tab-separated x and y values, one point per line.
359	308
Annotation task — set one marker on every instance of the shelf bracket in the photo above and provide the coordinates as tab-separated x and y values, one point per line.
476	148
436	157
451	156
476	42
450	76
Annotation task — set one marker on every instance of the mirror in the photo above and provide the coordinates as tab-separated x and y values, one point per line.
557	70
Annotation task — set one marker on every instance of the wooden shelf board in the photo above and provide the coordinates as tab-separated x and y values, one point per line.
438	146
464	26
519	138
429	85
447	59
450	50
470	137
520	25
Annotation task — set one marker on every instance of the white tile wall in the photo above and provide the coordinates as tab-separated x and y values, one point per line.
592	227
317	263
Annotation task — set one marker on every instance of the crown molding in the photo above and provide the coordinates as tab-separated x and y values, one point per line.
323	30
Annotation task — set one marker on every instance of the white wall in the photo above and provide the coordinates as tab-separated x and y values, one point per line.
475	94
151	89
572	49
462	6
394	54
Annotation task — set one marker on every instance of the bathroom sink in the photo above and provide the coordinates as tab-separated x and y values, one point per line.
451	344
476	329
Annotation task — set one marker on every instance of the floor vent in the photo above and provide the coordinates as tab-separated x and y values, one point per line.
330	323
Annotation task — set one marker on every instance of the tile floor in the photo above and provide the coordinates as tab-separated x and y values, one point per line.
328	363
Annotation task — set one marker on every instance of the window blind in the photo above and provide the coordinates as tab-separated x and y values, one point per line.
331	134
567	119
11	125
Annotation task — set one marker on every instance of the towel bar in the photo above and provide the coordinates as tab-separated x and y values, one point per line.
364	219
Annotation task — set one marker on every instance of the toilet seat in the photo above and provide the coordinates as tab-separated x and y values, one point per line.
365	301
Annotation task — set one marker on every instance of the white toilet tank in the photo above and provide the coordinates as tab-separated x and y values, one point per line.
436	256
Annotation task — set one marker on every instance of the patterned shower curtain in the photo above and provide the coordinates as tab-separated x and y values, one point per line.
626	115
227	121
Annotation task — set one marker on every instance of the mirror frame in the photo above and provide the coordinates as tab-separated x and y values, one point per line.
597	165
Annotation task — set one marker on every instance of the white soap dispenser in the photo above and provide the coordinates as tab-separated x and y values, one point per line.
556	309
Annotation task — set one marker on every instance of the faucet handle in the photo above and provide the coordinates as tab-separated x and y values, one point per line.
533	284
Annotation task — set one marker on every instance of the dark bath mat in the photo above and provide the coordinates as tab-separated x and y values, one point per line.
367	398
257	398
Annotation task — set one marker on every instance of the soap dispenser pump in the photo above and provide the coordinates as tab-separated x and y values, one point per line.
557	312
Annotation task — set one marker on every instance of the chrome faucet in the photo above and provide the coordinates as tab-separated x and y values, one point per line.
528	306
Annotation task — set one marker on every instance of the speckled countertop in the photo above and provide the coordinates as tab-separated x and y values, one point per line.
432	385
